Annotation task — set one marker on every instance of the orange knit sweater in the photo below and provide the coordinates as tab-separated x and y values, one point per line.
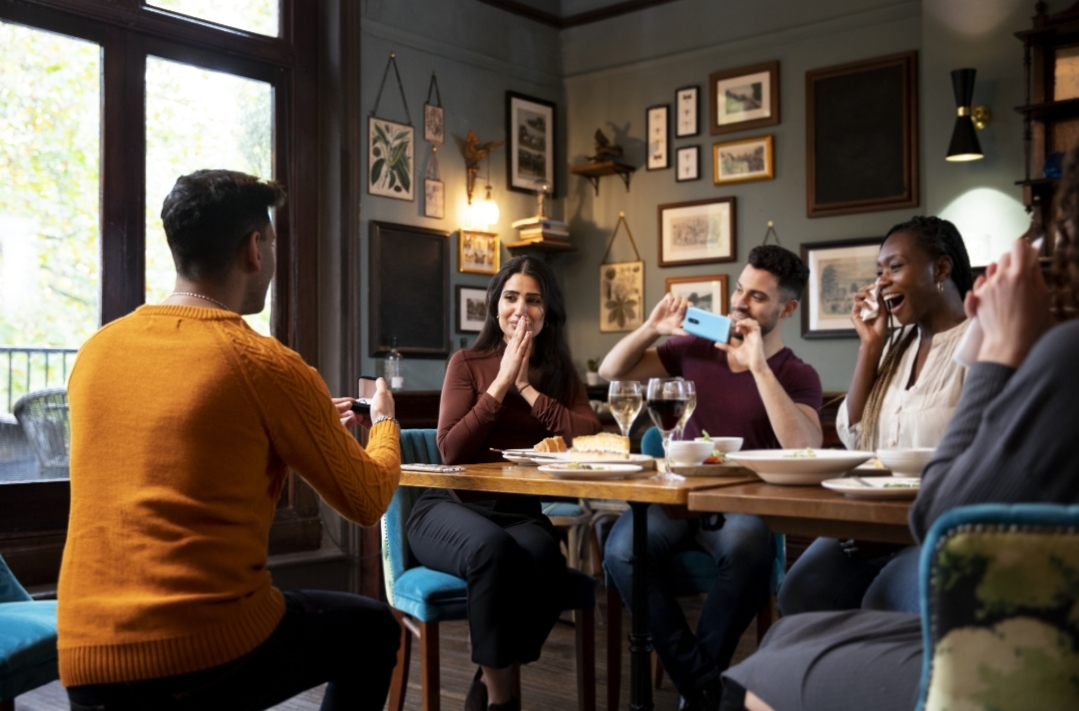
183	424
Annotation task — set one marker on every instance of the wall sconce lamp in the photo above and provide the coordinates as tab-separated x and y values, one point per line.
481	213
964	145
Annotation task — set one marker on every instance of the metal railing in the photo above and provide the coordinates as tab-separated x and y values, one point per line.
30	369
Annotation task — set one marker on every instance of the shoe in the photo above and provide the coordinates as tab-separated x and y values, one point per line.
476	698
704	699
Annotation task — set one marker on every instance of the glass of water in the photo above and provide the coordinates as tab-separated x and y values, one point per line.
626	399
691	404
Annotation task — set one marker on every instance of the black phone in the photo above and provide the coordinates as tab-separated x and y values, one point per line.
362	404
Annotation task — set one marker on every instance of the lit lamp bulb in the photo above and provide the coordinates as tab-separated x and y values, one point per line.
485	212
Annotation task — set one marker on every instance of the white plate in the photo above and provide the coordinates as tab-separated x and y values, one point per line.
876	487
597	471
593	458
523	457
781	466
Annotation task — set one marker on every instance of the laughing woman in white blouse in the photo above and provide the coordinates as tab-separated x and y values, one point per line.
905	389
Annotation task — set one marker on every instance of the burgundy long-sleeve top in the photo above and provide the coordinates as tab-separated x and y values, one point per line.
470	421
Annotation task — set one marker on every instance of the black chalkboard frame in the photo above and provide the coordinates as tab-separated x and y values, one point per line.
420	299
892	132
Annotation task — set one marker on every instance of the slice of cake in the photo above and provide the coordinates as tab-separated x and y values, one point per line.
605	445
551	444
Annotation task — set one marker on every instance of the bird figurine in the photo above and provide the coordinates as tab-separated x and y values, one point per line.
474	152
605	150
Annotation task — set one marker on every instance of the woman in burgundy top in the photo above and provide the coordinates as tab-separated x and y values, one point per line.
516	387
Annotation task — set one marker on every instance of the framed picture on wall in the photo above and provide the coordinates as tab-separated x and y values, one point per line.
410	298
686	101
471	308
744	98
697	232
862	136
621	296
688	164
659	137
836	271
530	129
743	161
478	252
390	161
707	292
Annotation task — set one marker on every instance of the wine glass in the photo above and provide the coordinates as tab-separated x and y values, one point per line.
691	405
624	397
666	404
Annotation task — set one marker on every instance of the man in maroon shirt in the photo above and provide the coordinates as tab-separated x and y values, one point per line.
754	388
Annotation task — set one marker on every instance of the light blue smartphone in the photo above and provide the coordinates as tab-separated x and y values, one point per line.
707	325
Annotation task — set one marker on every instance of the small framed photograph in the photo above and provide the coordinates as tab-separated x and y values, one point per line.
688	164
744	98
390	163
478	252
659	137
434	198
530	159
686	101
471	308
743	161
836	270
708	293
697	232
434	124
621	296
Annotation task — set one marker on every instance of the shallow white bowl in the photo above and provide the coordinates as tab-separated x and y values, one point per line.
724	444
906	462
689	452
781	466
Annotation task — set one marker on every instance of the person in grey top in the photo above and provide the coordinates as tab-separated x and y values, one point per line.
1011	441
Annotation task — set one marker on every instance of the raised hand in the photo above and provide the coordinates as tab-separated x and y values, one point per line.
517	351
382	404
874	331
668	315
750	352
1012	305
521	381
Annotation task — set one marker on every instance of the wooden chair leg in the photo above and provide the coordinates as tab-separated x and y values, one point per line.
614	647
586	659
399	681
765	618
432	684
657	671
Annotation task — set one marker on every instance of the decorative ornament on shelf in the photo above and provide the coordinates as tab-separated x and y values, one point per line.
542	231
603	162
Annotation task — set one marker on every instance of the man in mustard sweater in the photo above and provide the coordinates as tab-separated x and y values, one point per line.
184	422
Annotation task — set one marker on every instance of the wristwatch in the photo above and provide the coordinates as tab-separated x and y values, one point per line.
384	418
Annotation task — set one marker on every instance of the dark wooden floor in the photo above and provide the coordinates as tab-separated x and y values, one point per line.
550	683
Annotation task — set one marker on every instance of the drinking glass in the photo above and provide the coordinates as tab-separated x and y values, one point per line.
691	405
625	399
666	404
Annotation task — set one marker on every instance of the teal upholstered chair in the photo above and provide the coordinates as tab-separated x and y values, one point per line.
422	598
27	640
691	572
1000	595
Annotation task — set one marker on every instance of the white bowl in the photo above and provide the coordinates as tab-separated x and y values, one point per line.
689	452
795	466
724	444
906	462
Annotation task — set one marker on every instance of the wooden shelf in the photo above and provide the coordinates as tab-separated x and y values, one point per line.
1067	108
594	171
542	246
1035	182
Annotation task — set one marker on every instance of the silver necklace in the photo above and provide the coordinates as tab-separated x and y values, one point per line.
200	296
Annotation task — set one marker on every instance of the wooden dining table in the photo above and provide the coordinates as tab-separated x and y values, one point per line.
638	492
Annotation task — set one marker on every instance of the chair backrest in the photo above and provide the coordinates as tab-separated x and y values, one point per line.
417	447
1000	586
652	442
44	419
10	590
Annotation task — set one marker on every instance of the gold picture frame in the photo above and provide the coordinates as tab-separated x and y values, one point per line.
478	252
743	161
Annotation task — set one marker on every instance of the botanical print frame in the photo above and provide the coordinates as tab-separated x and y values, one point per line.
391	166
687	164
478	252
434	199
471	308
657	120
621	296
704	292
744	98
697	232
530	129
743	160
837	269
686	101
862	136
410	298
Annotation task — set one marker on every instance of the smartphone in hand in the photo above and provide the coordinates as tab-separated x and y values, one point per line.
707	325
362	404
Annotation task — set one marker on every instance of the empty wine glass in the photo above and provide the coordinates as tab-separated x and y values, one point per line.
691	405
666	404
625	399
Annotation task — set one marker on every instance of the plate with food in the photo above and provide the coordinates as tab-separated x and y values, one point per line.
799	466
591	470
875	487
603	448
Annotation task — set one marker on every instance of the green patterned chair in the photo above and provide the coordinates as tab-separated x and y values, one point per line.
1000	602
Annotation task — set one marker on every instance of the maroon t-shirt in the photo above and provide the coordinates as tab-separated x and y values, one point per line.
728	403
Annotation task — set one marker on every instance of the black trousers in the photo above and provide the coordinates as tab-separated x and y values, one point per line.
512	563
346	640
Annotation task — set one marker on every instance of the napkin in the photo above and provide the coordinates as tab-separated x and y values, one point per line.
872	307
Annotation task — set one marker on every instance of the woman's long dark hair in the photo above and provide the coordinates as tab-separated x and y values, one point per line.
937	238
550	352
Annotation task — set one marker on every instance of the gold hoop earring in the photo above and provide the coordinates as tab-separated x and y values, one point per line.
940	286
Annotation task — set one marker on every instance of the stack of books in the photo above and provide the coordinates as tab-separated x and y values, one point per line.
541	229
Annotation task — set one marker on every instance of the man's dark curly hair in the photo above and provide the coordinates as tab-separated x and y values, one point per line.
791	271
209	214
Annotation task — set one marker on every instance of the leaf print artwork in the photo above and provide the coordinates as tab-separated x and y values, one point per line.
390	157
621	292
